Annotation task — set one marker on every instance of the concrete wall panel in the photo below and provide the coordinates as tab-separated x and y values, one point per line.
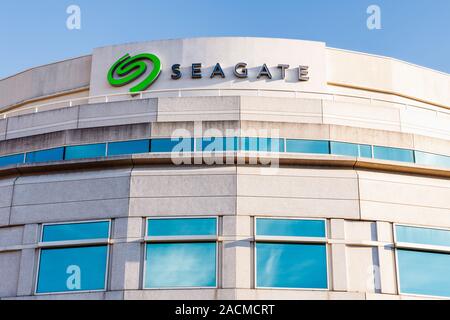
297	192
197	191
71	196
281	109
361	115
46	80
117	113
42	122
9	275
198	109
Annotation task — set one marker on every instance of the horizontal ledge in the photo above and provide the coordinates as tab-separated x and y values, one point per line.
293	239
422	247
230	159
73	243
150	239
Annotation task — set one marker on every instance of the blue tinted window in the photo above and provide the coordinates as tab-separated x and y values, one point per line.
86	151
182	227
262	144
344	149
218	144
307	146
393	154
425	236
173	265
291	266
75	231
290	228
365	151
424	273
128	147
169	145
249	144
56	154
430	159
351	149
72	269
271	144
10	160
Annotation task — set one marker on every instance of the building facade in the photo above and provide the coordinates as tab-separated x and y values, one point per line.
225	168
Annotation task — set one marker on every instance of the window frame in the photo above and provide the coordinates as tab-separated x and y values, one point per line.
291	240
416	247
73	244
181	239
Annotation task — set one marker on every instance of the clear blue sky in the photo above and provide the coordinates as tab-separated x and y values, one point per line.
34	32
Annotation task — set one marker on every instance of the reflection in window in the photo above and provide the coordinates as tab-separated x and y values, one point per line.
85	151
283	265
393	154
422	270
307	146
299	263
128	147
262	144
430	159
351	149
56	154
181	253
173	265
212	144
68	265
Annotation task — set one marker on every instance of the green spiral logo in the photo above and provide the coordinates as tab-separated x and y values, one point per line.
129	69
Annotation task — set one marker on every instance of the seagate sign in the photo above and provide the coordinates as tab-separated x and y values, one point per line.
130	68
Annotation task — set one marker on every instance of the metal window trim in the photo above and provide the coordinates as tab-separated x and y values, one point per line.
153	239
75	243
278	239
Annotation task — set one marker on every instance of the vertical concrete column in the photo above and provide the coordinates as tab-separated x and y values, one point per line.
126	254
338	256
237	259
386	256
27	272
